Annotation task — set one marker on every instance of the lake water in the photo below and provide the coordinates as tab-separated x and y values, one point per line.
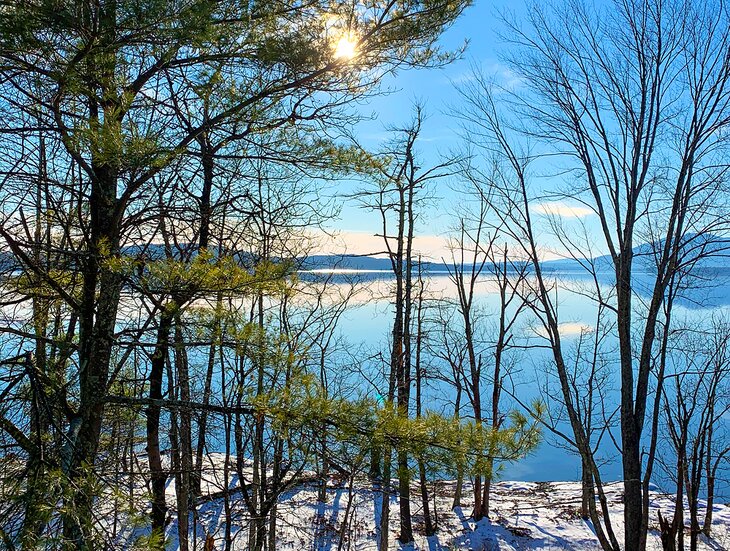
367	323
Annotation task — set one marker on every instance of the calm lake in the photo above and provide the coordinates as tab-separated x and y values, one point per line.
366	325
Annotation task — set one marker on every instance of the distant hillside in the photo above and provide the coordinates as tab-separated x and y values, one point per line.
706	252
713	250
711	253
352	262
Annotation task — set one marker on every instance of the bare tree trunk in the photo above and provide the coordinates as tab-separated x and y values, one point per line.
345	528
667	533
227	509
276	472
158	476
460	472
429	526
587	494
175	458
384	536
184	491
207	391
404	383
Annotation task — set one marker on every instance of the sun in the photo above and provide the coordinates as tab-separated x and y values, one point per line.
346	47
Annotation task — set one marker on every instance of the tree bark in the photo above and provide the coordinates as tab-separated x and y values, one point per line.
158	476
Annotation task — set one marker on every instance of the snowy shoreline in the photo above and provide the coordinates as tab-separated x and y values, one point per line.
524	515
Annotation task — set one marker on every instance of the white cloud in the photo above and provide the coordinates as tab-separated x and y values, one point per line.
564	210
570	329
506	77
567	329
489	71
432	247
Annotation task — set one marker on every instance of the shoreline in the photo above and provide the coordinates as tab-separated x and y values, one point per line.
523	515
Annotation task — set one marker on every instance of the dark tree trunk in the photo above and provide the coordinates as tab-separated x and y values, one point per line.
158	476
429	525
587	494
667	533
459	472
184	484
710	501
98	313
207	391
384	535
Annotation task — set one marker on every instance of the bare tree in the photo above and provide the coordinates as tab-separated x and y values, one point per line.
635	100
401	185
477	257
694	401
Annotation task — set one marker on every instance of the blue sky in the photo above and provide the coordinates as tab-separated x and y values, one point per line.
480	26
434	88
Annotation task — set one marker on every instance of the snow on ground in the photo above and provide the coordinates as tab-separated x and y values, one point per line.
524	515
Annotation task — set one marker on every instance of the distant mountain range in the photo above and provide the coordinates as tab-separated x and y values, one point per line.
361	263
711	252
706	252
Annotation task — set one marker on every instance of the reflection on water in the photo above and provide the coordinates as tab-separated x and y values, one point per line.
367	324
